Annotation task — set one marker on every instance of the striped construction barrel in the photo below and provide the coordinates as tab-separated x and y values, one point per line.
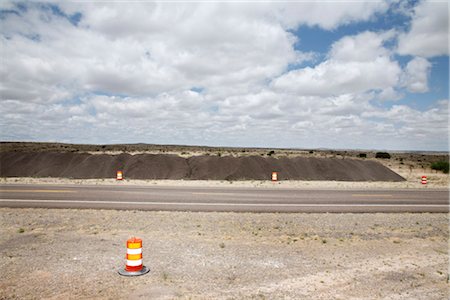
133	265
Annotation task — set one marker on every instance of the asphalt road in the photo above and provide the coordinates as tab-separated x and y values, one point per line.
222	199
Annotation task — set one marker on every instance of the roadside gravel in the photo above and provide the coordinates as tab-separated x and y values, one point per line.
435	181
75	254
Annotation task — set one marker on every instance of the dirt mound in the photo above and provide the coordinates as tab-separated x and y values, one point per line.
161	166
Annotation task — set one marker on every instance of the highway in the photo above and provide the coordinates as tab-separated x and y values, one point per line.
222	199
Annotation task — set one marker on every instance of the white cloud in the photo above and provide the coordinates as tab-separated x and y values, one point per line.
205	73
119	19
416	75
389	94
355	64
366	46
430	126
429	31
329	16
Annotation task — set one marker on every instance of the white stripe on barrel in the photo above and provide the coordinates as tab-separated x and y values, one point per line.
134	263
134	251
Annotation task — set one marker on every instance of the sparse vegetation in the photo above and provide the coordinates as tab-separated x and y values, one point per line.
362	155
21	230
165	276
281	238
202	150
440	166
383	155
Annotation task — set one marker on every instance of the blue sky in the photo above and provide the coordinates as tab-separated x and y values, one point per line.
335	74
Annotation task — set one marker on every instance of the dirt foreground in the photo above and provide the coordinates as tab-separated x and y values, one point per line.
76	254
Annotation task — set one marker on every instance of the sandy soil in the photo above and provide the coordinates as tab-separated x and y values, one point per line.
76	254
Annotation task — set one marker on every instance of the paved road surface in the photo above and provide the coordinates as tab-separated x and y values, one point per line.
223	199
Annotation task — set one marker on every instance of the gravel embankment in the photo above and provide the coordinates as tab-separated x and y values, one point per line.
75	254
206	167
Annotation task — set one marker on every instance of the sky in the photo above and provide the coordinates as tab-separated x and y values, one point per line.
297	74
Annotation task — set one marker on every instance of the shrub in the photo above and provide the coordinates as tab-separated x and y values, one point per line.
440	166
270	153
363	155
384	155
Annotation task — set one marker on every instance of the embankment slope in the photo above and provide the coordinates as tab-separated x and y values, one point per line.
164	166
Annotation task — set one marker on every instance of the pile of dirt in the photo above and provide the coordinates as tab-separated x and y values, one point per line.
163	166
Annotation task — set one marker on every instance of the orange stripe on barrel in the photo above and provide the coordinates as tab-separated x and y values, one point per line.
134	243
134	256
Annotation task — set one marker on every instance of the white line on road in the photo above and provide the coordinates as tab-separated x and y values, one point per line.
372	195
217	194
220	203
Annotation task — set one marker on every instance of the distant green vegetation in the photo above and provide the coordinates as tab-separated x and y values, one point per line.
440	166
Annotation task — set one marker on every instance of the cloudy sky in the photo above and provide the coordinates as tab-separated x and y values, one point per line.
332	74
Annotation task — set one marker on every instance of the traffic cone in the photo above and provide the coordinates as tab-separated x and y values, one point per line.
134	266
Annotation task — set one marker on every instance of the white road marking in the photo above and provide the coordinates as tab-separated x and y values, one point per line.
373	195
216	194
220	203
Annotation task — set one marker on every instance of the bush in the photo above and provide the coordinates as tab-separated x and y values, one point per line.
440	166
363	155
270	153
384	155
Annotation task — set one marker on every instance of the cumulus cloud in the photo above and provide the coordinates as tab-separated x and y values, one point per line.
208	73
355	64
330	16
416	75
428	35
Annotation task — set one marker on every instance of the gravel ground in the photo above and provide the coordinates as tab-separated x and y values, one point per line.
76	254
435	181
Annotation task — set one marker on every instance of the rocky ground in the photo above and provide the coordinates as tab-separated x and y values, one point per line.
76	254
435	180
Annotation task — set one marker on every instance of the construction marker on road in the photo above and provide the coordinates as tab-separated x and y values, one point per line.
119	175
424	179
134	266
274	176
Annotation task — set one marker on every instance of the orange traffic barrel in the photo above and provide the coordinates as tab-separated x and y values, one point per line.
119	175
424	179
134	266
274	176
